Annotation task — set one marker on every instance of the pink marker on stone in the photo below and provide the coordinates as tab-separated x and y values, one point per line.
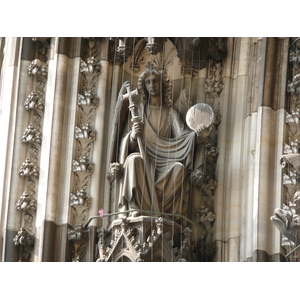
101	213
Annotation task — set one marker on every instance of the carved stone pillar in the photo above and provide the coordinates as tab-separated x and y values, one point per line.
14	119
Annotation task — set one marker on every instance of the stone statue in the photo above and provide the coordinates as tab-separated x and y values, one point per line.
288	224
152	152
287	220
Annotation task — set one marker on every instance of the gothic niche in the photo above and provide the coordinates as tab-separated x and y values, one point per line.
152	150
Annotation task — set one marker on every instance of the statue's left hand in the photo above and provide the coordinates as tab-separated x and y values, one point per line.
202	131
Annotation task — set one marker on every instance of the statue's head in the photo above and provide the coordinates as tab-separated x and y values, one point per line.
161	84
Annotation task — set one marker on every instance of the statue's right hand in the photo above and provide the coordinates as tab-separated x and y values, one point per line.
137	129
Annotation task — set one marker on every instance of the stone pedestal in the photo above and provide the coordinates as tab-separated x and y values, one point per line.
144	238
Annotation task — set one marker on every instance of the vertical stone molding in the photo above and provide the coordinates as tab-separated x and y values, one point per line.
85	135
290	209
32	140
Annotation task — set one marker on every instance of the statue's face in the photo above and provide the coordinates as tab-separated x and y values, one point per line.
152	84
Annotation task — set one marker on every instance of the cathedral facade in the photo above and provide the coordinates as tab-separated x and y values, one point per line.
149	149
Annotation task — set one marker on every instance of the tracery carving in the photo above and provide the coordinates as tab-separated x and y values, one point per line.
127	238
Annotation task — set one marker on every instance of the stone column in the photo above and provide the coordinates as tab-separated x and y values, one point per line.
59	107
14	119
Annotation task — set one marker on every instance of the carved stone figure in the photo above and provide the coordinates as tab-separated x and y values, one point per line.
288	224
155	148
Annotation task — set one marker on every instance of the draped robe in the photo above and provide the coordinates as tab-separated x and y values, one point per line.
169	150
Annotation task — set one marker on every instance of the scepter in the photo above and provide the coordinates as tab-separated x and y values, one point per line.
135	118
